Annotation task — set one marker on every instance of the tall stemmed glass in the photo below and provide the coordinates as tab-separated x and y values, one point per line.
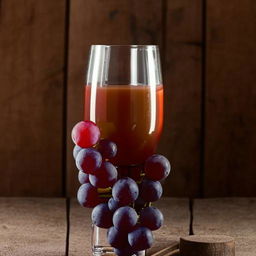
124	97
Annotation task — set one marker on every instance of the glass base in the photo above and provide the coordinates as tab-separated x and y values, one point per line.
102	250
108	251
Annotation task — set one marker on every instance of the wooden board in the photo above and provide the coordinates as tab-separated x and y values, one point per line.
80	230
230	99
31	97
32	227
207	245
230	216
182	73
176	212
95	22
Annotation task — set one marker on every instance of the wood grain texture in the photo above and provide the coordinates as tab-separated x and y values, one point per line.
230	140
228	216
32	227
176	224
31	97
207	245
80	229
182	73
103	22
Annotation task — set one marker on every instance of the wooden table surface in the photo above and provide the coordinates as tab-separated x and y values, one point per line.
59	226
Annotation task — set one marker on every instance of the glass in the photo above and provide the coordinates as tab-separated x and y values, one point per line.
124	97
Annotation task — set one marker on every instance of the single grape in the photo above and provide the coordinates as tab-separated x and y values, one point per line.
124	251
102	216
87	195
85	134
125	218
83	177
107	148
125	191
113	205
151	218
140	239
88	160
117	238
76	150
105	176
150	191
157	167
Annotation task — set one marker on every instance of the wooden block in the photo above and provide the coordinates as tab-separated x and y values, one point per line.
230	216
32	226
207	245
176	213
95	22
180	141
230	125
31	97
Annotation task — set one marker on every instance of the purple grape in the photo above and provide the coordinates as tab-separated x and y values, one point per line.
151	218
83	177
113	205
157	167
140	239
125	218
87	195
107	148
117	238
88	160
102	216
125	191
150	191
76	150
105	176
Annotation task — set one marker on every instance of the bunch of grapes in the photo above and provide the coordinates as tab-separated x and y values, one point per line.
121	196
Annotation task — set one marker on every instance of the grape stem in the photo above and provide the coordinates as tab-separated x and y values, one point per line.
104	190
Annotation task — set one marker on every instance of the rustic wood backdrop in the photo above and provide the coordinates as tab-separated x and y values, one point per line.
208	50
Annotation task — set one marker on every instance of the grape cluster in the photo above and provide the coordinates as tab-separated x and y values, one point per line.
121	196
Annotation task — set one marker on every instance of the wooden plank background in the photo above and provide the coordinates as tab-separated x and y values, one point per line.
182	80
31	97
230	142
208	57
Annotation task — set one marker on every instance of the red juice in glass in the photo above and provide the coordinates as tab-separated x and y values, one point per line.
131	116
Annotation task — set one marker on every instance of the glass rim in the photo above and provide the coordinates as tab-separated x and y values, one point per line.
127	45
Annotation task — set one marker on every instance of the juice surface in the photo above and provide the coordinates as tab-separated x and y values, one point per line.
130	116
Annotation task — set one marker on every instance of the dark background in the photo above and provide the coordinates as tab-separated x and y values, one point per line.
208	50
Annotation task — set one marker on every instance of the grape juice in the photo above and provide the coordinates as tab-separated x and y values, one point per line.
130	116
